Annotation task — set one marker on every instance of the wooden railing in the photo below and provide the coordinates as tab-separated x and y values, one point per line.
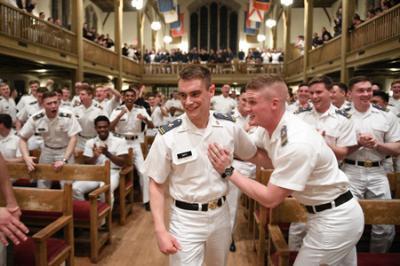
326	53
100	55
131	67
28	28
295	66
234	68
381	28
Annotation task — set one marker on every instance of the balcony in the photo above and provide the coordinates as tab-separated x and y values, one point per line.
374	40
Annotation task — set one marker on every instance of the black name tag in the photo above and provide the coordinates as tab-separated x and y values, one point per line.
41	129
184	154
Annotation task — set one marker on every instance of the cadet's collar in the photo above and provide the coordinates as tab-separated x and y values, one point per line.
329	112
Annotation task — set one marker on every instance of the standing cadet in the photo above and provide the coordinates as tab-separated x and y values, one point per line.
7	104
395	98
303	99
378	134
199	230
339	96
223	103
304	167
8	140
126	121
86	113
99	149
30	98
59	129
336	128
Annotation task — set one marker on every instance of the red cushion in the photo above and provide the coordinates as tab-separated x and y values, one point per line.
292	258
24	182
82	209
34	215
24	253
378	259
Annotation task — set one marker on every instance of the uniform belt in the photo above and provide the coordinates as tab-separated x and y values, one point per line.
345	197
116	168
85	137
366	163
54	148
200	206
126	137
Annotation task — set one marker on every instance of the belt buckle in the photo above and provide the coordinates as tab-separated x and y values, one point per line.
213	204
368	163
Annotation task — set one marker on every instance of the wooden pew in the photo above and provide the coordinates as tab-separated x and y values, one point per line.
394	183
43	248
261	219
87	214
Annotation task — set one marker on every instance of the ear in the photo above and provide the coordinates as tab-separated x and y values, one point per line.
211	89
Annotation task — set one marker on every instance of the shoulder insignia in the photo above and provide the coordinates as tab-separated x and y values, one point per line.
398	115
343	113
224	117
380	108
1	98
117	135
138	106
64	115
302	109
118	108
98	106
38	116
32	103
284	137
164	129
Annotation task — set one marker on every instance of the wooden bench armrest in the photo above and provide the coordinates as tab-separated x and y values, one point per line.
97	192
278	240
126	170
52	228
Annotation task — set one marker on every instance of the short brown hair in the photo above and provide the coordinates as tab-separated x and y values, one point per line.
395	82
327	81
86	87
49	94
261	81
356	80
196	72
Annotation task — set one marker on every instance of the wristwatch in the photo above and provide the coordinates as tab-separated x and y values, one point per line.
65	161
228	172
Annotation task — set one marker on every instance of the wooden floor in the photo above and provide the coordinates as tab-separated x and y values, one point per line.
135	244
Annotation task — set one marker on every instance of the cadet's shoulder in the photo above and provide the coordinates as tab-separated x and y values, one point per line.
168	127
343	113
222	116
65	113
384	109
38	115
303	110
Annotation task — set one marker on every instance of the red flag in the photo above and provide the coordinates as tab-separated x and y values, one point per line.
178	32
263	5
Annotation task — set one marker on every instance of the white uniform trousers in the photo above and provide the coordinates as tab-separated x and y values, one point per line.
246	169
203	236
35	143
332	236
372	183
80	144
80	188
49	155
138	161
297	231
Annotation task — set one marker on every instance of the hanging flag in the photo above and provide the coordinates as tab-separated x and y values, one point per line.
254	13
171	16
263	5
177	32
165	5
250	27
176	24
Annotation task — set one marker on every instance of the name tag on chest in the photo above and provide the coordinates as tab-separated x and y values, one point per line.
185	156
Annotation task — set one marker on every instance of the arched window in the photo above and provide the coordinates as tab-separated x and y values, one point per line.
214	26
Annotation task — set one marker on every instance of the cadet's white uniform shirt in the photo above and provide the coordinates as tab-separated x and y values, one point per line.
302	161
86	117
383	125
129	124
56	132
8	107
181	155
9	146
338	126
115	145
223	104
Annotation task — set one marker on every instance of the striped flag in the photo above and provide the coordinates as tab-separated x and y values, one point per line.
254	13
176	24
177	32
263	5
250	27
171	16
165	5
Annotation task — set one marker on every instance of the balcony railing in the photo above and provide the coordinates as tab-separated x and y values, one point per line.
381	28
28	28
99	55
131	67
325	53
234	68
295	66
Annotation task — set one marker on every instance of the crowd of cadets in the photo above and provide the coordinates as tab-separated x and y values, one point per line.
360	123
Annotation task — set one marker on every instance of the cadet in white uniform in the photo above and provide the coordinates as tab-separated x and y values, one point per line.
103	147
158	114
7	103
59	129
223	103
29	98
86	113
395	99
311	175
126	121
303	99
199	230
174	105
339	96
8	140
334	125
378	136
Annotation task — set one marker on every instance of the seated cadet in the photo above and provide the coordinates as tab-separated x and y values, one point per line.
7	103
99	149
8	140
